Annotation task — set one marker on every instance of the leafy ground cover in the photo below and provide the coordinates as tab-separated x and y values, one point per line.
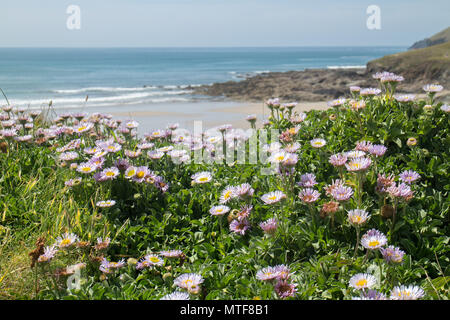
357	207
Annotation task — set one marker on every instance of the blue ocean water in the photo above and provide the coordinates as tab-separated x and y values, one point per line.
120	76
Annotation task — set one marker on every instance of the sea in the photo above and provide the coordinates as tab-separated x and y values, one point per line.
115	79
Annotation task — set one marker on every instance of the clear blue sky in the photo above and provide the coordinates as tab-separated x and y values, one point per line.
209	23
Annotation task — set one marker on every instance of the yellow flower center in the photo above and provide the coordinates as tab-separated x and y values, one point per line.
355	165
361	283
203	179
374	243
131	173
140	174
154	259
110	173
86	169
187	282
65	242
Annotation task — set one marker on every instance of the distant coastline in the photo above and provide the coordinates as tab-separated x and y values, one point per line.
419	67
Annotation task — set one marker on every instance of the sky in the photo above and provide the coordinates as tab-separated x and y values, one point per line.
219	23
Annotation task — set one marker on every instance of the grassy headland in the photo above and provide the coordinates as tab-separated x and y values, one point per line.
427	65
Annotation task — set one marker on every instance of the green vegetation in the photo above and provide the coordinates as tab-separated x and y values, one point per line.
418	65
161	204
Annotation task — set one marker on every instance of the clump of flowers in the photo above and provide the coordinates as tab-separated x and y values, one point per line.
279	276
189	281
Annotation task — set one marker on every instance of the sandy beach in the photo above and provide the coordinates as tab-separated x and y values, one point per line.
211	114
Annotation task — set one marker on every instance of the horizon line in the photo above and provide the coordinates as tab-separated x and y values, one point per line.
198	47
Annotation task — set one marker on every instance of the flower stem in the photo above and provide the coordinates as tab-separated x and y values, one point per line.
357	242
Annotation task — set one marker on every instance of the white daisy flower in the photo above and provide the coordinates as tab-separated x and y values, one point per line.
358	217
219	210
373	239
362	281
318	143
273	197
66	240
130	172
189	281
228	194
410	292
177	295
105	203
202	177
